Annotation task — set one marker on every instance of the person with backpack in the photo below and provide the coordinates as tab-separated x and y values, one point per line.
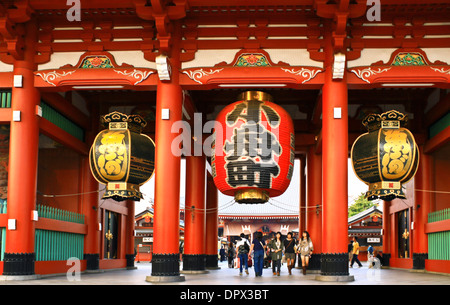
242	250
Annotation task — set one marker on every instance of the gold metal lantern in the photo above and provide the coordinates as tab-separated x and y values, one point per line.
121	157
386	156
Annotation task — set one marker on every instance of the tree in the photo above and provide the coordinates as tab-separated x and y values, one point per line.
360	204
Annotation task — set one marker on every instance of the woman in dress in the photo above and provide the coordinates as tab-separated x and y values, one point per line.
305	248
289	251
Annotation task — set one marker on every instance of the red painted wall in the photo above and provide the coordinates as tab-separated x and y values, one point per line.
59	173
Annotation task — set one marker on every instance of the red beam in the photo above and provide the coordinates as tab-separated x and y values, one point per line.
441	266
438	226
66	108
61	226
3	220
438	110
438	141
55	267
5	115
54	132
6	79
94	4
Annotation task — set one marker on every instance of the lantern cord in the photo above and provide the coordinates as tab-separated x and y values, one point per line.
308	207
212	210
223	207
271	203
429	191
69	195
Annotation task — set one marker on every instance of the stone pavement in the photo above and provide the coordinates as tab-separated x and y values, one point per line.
226	276
225	285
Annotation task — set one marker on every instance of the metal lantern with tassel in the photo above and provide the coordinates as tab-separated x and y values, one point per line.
121	157
386	156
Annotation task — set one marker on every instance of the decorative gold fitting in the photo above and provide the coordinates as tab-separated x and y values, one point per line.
251	196
118	126
255	95
390	185
122	186
109	235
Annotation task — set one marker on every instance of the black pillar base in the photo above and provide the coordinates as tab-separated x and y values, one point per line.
386	257
130	261
19	263
165	268
334	264
419	260
194	262
334	268
211	261
92	261
314	262
165	264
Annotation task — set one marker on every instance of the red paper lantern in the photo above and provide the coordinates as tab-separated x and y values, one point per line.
253	150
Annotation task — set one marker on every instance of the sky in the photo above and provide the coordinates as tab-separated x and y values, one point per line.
355	188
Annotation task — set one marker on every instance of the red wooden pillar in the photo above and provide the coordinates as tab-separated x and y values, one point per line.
302	216
314	205
91	217
334	264
386	233
19	256
129	232
166	221
90	202
194	220
422	206
212	224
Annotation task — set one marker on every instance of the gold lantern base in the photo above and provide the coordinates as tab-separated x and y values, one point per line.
255	95
120	191
251	196
386	190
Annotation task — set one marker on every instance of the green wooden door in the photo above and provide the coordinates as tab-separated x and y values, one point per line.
111	235
403	234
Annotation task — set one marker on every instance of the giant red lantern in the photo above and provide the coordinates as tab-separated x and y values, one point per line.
253	150
122	157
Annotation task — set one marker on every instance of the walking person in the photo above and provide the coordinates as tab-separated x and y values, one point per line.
231	253
267	255
355	253
350	252
222	253
370	257
305	248
289	251
258	253
276	251
242	249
